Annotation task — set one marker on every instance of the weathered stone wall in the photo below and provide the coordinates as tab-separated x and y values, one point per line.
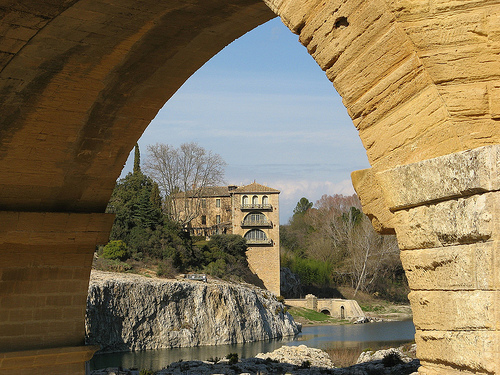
80	80
447	222
263	260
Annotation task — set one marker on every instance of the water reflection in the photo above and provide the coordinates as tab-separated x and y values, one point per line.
363	336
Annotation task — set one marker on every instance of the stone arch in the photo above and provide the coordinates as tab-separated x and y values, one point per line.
325	311
80	81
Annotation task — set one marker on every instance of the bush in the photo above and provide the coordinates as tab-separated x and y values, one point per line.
115	250
166	269
233	358
111	265
392	359
146	372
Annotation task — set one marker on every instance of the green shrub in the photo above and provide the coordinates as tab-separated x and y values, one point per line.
111	265
115	250
233	358
147	372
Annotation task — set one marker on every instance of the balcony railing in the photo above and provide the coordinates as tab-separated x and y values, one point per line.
258	241
256	206
256	223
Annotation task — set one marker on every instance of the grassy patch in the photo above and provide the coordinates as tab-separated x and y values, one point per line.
311	316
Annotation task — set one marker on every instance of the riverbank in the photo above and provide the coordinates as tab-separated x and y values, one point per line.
297	360
374	311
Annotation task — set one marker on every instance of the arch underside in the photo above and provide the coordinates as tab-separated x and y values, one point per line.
81	80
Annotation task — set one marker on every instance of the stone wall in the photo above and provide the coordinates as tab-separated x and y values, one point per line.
81	80
447	221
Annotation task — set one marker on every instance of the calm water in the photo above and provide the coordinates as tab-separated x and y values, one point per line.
361	336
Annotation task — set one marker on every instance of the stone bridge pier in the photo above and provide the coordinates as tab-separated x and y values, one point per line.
80	80
446	214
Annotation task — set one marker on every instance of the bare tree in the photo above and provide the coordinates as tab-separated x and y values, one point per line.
353	239
183	175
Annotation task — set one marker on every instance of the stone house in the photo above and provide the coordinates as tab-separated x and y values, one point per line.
251	211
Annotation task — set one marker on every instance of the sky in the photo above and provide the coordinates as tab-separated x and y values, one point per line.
268	109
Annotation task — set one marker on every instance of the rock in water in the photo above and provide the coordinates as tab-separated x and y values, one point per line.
131	312
298	355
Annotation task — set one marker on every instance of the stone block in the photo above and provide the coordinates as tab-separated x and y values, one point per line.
458	221
406	130
295	13
474	351
333	43
466	99
461	63
397	87
445	177
462	267
494	99
369	67
441	30
374	205
469	310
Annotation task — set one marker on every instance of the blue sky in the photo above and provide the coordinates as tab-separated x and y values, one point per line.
267	108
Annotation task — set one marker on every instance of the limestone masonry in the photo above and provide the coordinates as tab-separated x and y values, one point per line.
80	80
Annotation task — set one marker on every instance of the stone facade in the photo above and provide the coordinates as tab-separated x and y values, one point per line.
80	81
252	211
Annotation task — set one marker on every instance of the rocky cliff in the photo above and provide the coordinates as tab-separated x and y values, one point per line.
130	312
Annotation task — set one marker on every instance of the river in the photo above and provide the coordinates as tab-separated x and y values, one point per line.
361	336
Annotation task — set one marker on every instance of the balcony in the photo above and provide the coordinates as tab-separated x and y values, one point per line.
259	241
256	206
256	223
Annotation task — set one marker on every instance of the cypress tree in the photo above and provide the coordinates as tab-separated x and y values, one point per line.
137	159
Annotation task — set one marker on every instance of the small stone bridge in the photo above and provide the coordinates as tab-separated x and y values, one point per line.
335	307
80	80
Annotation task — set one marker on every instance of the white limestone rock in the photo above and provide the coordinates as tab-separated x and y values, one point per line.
131	312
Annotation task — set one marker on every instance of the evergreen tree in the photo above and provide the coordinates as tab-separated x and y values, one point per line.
137	159
137	205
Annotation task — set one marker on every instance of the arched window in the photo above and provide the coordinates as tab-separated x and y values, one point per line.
255	218
256	236
244	201
255	200
265	200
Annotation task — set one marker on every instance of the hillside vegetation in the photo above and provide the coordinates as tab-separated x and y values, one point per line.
333	247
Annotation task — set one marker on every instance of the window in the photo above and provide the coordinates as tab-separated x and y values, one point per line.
245	200
255	235
203	220
257	218
217	219
255	200
217	203
203	203
265	199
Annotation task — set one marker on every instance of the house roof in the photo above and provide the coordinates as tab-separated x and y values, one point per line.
255	188
209	191
226	191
